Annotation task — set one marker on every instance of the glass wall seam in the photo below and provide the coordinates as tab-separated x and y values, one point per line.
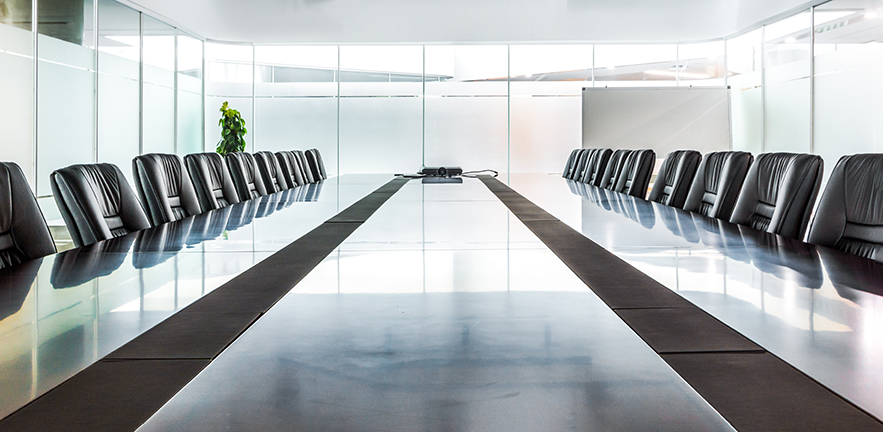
95	82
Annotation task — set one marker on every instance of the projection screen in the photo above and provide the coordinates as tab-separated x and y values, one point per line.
662	118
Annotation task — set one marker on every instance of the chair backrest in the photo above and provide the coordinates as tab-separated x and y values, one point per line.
290	168
305	167
246	176
320	163
717	183
96	202
614	166
596	166
23	232
779	192
271	172
164	187
571	160
675	177
582	163
211	180
634	177
313	164
850	212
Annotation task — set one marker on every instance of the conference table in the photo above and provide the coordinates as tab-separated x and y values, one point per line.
438	307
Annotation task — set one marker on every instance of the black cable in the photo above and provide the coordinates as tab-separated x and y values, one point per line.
474	174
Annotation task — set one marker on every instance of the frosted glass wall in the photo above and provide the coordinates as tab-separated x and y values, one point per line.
65	101
94	100
848	98
745	78
17	88
466	107
546	103
296	100
189	81
119	71
787	86
381	109
158	127
229	77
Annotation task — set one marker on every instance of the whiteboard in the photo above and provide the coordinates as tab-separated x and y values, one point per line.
662	119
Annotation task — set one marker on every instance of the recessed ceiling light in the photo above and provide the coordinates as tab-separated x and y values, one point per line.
790	39
611	67
871	14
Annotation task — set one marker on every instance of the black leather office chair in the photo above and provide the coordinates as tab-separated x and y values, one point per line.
23	232
96	202
675	177
850	212
571	160
290	168
581	164
164	187
779	193
211	180
320	164
613	168
634	177
596	166
271	172
246	176
305	167
717	183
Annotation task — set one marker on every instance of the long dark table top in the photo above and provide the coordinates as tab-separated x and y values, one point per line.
61	313
816	308
441	312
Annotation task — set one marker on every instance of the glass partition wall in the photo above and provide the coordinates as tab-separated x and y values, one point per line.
102	87
96	80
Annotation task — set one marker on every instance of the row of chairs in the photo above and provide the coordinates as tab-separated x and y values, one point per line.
774	193
97	203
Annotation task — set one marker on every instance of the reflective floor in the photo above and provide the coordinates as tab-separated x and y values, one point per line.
64	312
818	309
441	312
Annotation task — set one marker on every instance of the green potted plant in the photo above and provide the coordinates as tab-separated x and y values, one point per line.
232	131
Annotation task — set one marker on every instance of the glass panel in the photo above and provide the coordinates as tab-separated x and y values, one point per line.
190	123
159	87
848	85
787	49
65	108
787	117
744	60
466	107
746	114
228	78
635	65
701	64
546	104
119	56
17	88
381	109
296	100
787	90
67	20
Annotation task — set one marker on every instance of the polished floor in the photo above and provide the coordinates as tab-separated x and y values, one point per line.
443	311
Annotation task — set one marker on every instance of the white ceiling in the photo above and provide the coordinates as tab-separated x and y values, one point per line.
440	21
